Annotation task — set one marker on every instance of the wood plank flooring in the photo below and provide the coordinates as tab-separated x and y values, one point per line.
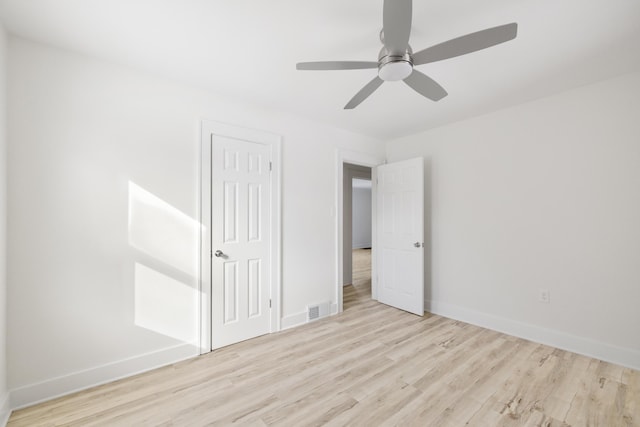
372	365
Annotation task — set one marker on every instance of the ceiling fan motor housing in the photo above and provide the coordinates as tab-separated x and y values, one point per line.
393	67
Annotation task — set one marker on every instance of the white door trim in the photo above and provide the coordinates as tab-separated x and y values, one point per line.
360	159
209	128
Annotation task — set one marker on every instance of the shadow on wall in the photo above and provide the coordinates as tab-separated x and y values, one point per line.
166	297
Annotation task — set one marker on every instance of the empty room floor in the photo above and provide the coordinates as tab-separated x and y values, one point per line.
371	365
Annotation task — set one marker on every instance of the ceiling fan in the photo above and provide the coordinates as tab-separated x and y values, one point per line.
396	60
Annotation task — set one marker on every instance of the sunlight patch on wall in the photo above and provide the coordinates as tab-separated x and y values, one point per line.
165	305
162	231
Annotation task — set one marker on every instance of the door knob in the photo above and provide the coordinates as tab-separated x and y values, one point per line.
218	253
417	244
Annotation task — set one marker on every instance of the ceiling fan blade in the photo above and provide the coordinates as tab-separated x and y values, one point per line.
425	86
336	65
364	93
467	44
396	25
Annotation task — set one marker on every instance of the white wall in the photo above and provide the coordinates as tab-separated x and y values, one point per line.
361	199
89	141
541	195
4	397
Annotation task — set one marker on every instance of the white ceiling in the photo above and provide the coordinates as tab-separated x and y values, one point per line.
249	48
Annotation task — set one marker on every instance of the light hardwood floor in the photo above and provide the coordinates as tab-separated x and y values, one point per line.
371	365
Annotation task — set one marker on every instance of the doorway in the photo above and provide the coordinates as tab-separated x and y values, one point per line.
357	233
361	233
344	252
397	247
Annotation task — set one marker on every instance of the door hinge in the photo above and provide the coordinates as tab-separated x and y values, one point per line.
270	166
269	303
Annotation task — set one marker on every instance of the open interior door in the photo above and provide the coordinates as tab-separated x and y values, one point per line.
400	240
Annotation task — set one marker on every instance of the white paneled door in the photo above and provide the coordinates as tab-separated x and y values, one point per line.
400	229
240	240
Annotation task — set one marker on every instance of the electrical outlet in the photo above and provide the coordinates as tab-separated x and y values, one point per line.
544	296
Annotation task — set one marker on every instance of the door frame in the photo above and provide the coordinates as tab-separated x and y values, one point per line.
207	130
360	159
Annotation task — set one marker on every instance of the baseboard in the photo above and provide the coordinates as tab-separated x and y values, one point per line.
299	319
576	344
46	390
5	409
294	320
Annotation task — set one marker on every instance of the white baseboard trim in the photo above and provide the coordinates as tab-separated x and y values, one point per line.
585	346
299	319
294	320
46	390
5	409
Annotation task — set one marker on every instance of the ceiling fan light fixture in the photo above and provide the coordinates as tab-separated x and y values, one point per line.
395	70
